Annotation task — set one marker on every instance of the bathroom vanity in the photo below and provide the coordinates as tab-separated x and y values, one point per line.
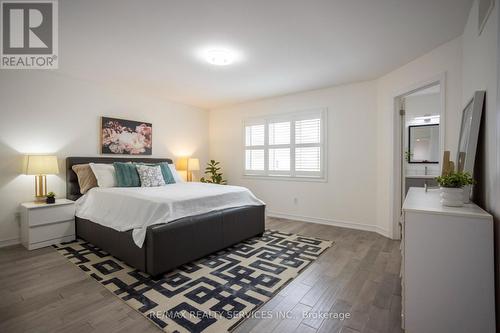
420	181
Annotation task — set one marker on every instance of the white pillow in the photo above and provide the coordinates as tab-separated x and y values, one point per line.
104	173
175	174
150	176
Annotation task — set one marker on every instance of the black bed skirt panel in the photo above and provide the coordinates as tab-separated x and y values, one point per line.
170	245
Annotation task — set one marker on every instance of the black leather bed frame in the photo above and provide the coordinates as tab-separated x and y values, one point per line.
169	245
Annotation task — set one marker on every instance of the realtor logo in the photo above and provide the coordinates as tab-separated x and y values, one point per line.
29	38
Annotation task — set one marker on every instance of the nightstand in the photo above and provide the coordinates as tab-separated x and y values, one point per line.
46	224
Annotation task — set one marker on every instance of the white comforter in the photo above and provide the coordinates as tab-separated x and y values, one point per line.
137	208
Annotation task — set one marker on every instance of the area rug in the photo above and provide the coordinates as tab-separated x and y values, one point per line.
213	294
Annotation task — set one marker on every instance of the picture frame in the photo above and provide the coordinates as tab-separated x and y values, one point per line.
469	133
125	137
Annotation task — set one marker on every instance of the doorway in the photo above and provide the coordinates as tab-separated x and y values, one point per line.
419	141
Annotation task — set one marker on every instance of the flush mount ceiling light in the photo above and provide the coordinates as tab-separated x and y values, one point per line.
219	57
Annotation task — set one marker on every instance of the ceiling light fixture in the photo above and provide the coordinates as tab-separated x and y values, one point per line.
219	57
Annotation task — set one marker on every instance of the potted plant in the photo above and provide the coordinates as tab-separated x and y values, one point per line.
213	174
51	198
452	187
408	156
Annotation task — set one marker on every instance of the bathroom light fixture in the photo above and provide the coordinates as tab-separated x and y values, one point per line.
427	118
219	57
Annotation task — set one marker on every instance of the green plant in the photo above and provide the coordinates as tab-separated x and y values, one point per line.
455	179
408	156
51	195
213	174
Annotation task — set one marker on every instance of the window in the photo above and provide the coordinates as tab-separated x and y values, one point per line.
291	145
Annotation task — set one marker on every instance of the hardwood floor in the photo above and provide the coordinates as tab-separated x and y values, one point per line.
42	292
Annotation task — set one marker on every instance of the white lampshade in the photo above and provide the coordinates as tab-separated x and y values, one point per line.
193	164
41	165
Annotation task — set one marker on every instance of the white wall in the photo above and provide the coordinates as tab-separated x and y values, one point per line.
422	105
444	60
480	72
479	68
349	196
360	143
44	112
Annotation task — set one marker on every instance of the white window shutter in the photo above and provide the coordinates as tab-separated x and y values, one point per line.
287	145
279	159
254	135
254	159
279	133
308	131
308	159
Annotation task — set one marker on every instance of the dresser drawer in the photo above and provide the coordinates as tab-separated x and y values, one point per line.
47	232
53	214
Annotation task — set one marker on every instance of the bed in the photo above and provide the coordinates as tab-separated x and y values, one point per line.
168	245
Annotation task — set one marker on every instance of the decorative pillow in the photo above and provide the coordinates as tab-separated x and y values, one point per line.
104	173
165	171
167	174
86	178
150	176
126	175
175	174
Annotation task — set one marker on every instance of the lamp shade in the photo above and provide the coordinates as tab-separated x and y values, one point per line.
193	164
181	164
41	165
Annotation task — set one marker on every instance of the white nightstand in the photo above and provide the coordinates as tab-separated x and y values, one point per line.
46	224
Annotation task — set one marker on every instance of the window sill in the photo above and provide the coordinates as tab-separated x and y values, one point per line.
286	178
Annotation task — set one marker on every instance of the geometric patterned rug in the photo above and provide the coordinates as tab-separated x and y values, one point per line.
213	294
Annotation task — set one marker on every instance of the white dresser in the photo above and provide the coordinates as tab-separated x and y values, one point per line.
447	268
46	224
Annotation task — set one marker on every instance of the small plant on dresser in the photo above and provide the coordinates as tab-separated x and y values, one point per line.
452	187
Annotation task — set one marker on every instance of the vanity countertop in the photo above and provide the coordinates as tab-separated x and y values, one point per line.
421	176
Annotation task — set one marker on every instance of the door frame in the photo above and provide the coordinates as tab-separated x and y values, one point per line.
397	174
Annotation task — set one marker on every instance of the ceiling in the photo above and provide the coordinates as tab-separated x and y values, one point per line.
285	46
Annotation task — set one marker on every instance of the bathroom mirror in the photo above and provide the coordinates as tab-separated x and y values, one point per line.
469	132
423	143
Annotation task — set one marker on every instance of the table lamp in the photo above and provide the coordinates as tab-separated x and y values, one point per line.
181	166
40	166
193	164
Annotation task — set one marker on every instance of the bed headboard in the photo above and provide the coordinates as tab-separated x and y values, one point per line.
72	187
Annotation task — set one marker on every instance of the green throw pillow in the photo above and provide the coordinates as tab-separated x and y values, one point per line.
126	175
167	174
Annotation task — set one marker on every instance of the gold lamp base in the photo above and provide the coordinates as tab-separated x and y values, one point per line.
40	187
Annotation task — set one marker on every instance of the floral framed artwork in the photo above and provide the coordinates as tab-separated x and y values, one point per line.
126	137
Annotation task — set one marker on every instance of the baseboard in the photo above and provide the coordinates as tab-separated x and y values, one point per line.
336	223
9	242
383	232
